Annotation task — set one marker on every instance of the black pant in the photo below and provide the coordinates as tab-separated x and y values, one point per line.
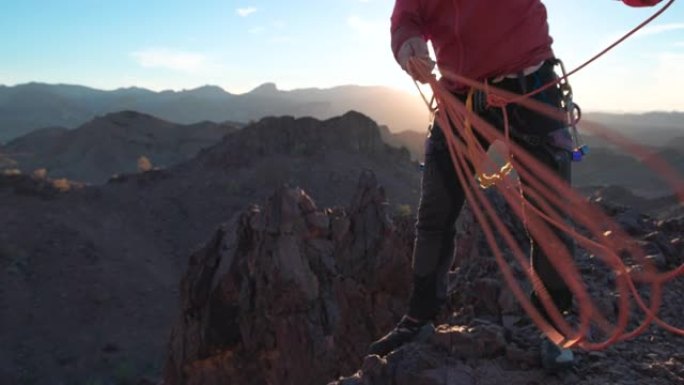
442	198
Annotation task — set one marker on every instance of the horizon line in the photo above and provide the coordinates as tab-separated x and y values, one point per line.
178	90
275	87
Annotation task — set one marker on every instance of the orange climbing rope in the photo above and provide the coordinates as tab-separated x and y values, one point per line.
555	201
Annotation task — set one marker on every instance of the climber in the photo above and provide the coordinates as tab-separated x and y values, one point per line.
507	44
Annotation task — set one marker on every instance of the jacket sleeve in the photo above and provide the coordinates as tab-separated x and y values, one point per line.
641	3
406	22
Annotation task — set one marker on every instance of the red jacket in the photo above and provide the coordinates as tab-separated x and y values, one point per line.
641	3
479	39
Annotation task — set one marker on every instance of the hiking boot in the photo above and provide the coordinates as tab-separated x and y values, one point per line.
405	331
554	358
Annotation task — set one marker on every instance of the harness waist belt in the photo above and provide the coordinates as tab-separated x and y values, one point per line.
527	71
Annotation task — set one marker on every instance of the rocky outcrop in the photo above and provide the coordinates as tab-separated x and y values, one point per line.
352	132
322	156
294	295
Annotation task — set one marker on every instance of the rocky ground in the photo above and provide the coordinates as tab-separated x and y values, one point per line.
297	293
485	337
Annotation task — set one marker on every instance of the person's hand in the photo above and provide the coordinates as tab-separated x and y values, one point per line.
415	47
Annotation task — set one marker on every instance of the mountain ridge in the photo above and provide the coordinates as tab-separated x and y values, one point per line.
111	144
31	106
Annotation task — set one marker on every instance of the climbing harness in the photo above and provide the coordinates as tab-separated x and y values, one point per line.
477	101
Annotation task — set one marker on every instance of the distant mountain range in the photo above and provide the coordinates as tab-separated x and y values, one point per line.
31	106
651	128
111	144
80	133
27	107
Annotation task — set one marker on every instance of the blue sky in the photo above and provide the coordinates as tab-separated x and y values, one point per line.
181	44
